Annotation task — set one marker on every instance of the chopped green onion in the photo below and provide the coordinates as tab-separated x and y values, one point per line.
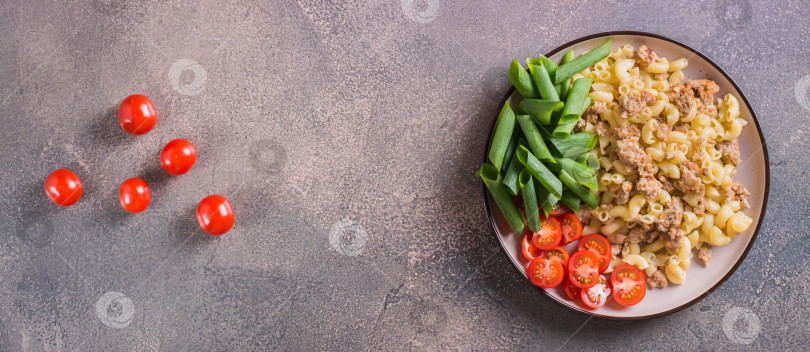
575	144
536	142
580	191
510	149
522	81
490	175
569	69
504	128
547	200
543	83
529	200
540	171
570	199
540	109
566	85
510	178
581	173
551	66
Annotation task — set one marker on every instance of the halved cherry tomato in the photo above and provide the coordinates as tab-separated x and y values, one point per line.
549	235
178	156
600	246
629	286
136	114
571	227
134	195
583	269
63	187
558	254
545	273
597	295
570	290
215	215
529	250
558	209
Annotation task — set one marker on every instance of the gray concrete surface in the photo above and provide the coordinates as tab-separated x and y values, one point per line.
346	135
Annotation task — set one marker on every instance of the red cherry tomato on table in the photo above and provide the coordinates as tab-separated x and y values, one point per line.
549	235
600	246
134	195
529	250
178	156
63	187
597	295
583	269
570	226
545	273
137	115
215	215
629	286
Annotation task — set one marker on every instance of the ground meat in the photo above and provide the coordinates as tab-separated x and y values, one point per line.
700	207
737	192
581	123
647	97
623	192
730	151
601	128
598	107
636	235
648	186
616	237
634	157
683	98
651	236
690	181
625	250
645	56
682	127
704	90
662	131
661	76
615	249
584	215
630	104
629	131
657	279
666	184
671	216
672	240
660	118
705	255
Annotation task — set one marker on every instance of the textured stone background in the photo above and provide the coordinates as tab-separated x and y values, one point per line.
346	135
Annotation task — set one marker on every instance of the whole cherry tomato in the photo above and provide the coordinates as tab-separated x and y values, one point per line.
178	156
63	187
137	115
134	195
215	215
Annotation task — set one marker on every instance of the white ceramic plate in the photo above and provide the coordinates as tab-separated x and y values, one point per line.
753	173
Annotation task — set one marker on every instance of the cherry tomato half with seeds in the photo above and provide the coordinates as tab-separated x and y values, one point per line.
137	115
63	187
215	215
558	209
134	195
629	286
545	273
570	226
549	235
557	254
529	250
597	295
600	246
178	156
571	291
583	269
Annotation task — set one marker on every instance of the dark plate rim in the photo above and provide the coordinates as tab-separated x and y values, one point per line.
764	201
